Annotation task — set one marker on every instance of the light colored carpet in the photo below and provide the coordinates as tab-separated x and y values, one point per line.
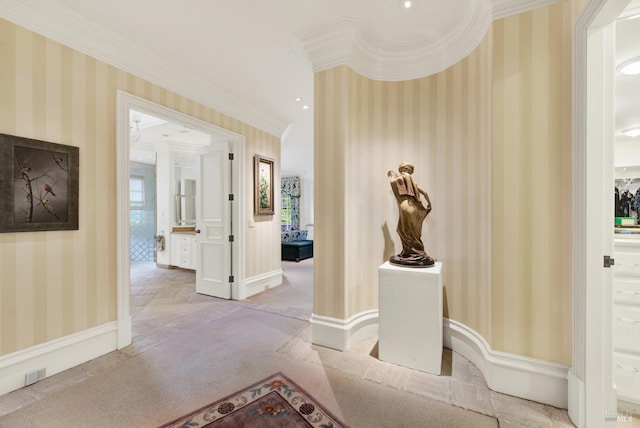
190	350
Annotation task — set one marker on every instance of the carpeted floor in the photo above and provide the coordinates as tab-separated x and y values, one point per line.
190	350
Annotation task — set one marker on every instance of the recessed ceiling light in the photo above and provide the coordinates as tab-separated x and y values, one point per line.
633	132
305	107
406	3
298	99
630	67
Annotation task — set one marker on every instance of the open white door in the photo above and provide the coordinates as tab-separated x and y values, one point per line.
213	222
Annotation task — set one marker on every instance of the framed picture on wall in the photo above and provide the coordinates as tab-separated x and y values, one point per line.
263	182
38	185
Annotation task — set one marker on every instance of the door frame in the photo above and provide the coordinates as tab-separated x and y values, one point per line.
124	103
591	389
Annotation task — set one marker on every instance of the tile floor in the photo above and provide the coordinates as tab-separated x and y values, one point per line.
166	309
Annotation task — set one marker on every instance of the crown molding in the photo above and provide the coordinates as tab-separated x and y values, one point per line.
328	45
505	8
375	59
70	29
348	41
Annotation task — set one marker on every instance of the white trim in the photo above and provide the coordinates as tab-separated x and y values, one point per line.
504	8
528	378
256	284
350	41
69	28
524	377
341	334
592	391
57	355
124	103
576	400
123	263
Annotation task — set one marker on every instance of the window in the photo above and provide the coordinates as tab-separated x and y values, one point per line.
136	192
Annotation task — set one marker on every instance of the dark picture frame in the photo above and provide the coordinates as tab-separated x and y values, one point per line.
39	185
263	185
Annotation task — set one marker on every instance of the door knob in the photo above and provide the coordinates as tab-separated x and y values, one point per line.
198	231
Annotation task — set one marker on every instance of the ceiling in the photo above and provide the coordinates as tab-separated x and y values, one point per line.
147	132
627	88
254	60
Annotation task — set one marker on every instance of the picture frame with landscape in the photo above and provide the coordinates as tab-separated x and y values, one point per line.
263	183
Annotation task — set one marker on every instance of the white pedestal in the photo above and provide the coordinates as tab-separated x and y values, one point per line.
410	316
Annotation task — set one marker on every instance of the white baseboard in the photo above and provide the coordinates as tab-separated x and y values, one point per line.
256	284
125	330
57	355
341	334
576	400
529	378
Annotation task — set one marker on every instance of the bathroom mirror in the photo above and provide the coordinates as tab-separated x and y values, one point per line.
185	202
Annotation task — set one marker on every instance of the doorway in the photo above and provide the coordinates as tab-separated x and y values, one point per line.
592	395
126	104
626	284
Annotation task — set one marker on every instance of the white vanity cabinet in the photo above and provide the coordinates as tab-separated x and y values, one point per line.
626	313
183	250
175	199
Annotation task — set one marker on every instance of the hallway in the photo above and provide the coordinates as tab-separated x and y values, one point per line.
189	350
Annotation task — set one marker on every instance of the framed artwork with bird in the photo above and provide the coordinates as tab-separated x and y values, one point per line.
39	184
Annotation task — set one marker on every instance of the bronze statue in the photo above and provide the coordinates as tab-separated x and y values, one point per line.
412	214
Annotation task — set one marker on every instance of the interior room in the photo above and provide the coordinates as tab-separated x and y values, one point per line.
626	167
148	298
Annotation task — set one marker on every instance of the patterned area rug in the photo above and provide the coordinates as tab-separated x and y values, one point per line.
273	402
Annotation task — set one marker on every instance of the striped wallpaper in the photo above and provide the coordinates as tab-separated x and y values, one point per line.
54	284
365	128
491	141
532	152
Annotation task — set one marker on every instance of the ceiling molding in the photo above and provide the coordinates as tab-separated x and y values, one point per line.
504	8
396	61
328	45
348	41
72	30
352	42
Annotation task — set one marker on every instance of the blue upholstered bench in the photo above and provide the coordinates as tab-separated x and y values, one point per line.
297	250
